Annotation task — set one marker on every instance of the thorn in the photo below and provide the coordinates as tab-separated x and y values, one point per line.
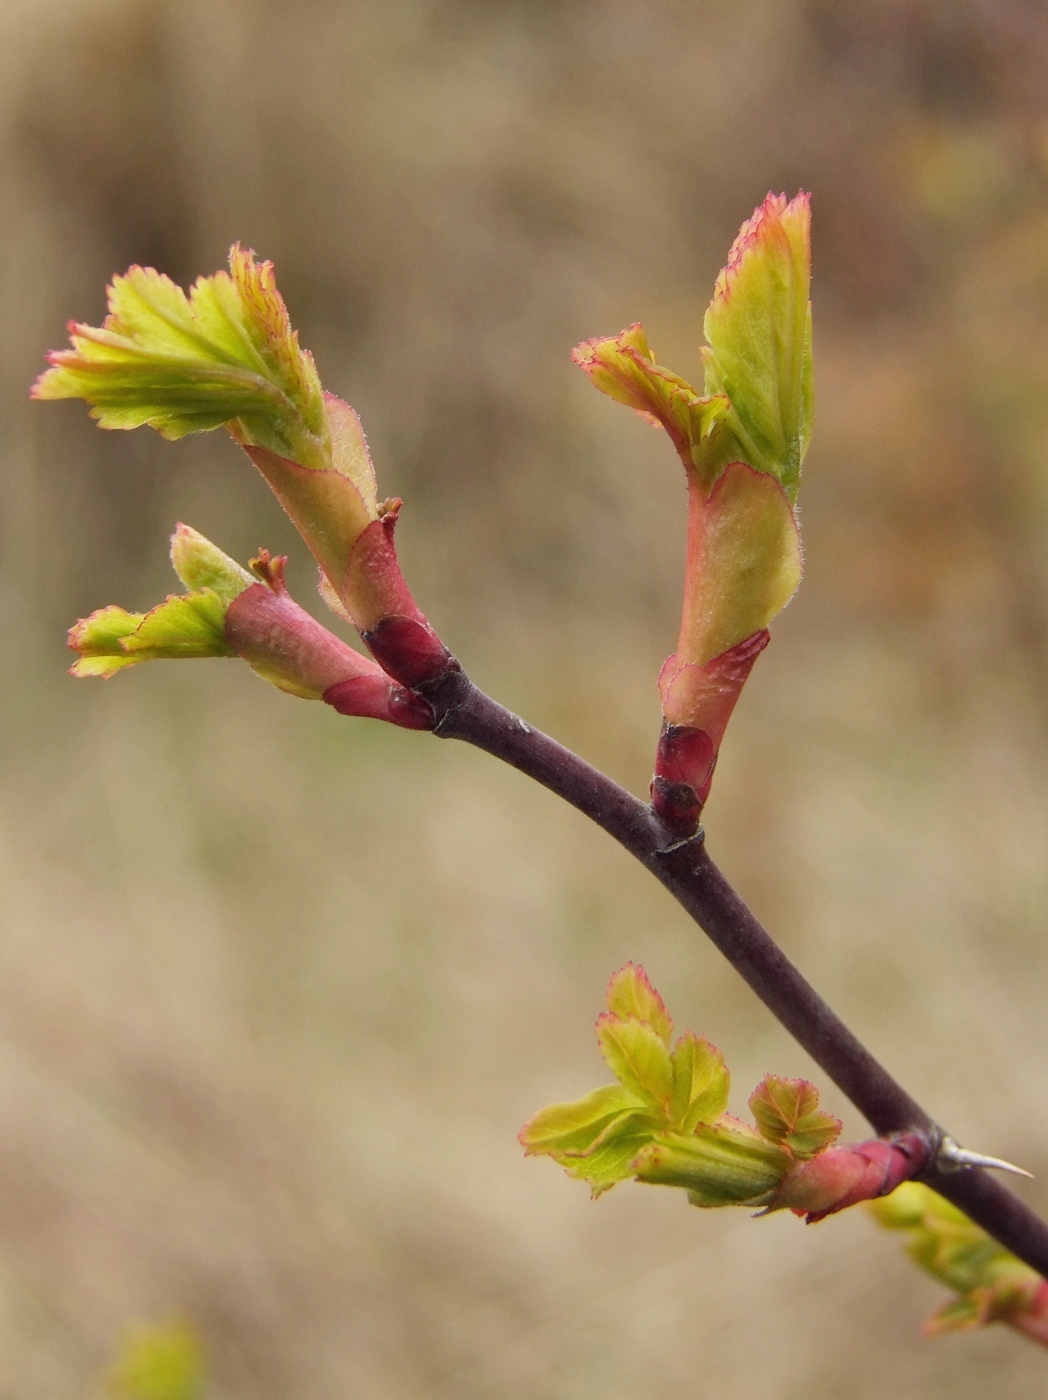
951	1157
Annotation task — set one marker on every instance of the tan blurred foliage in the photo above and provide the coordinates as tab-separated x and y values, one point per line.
277	988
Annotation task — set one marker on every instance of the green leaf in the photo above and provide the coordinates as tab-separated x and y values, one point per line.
610	1159
200	565
717	1166
224	354
630	993
191	625
759	330
571	1128
700	1082
787	1113
637	1056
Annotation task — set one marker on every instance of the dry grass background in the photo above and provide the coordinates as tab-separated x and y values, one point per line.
277	988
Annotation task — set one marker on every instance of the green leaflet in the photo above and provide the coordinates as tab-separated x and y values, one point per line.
185	625
623	367
223	354
700	1083
629	993
637	1057
200	564
573	1128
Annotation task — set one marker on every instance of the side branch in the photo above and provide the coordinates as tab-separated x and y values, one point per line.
686	870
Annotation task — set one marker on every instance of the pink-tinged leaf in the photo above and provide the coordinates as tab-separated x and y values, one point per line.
349	452
630	993
700	1083
759	330
787	1112
101	668
622	367
638	1058
103	633
574	1128
715	1165
325	507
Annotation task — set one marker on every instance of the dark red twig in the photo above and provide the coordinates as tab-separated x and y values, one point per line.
686	870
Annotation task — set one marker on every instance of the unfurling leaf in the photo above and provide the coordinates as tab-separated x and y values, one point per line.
200	564
787	1112
570	1129
232	612
622	366
223	354
759	330
742	441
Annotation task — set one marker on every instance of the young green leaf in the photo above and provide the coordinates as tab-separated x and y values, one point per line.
759	330
574	1128
700	1082
200	564
223	354
630	993
188	625
637	1056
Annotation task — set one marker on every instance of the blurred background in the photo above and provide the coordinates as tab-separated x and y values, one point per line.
278	988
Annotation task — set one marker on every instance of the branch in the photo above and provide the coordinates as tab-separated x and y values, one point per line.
686	870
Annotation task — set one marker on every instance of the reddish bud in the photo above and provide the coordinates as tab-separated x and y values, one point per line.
842	1176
